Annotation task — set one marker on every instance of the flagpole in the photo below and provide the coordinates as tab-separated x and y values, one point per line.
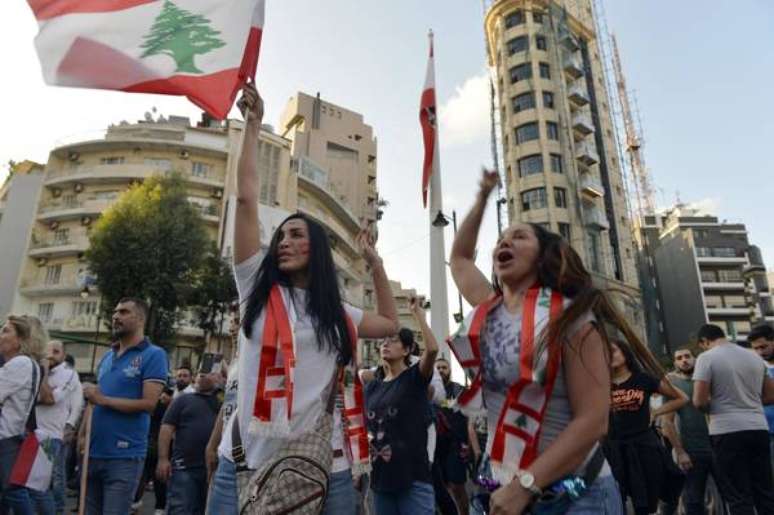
439	309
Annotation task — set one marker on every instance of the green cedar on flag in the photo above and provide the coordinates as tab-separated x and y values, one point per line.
203	49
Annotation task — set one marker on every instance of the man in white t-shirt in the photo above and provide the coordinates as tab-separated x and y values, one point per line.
731	382
60	396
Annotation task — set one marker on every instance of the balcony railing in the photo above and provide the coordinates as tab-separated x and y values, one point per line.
578	94
586	153
129	171
590	186
582	124
572	64
596	218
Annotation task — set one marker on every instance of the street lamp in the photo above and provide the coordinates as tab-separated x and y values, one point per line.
85	292
440	220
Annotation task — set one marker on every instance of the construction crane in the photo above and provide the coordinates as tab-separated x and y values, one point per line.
640	177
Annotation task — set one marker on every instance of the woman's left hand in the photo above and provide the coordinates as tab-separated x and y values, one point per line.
511	499
365	241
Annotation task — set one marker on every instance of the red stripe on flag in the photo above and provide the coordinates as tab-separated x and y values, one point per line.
25	459
47	9
252	51
427	113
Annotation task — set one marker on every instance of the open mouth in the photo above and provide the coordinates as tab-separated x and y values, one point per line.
503	256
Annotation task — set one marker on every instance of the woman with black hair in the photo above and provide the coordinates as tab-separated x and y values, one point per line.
296	331
396	409
536	350
637	455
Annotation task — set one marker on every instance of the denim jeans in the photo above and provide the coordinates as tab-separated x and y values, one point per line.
418	499
111	485
603	498
342	497
52	502
743	460
187	492
223	498
12	497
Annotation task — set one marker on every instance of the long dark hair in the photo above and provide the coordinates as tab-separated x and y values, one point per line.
323	304
560	268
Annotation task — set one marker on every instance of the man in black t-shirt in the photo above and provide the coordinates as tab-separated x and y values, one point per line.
190	418
452	449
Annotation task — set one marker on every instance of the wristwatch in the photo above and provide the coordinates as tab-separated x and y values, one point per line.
527	482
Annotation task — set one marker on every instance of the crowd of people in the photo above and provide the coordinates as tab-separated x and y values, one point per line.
558	413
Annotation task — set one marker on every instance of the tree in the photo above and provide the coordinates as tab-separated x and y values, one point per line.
149	245
214	291
181	35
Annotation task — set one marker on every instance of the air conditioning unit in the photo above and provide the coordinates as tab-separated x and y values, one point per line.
217	193
184	154
42	262
53	225
56	192
78	187
73	156
86	220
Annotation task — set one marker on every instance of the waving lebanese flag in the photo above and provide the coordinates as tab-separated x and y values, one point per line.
202	49
428	121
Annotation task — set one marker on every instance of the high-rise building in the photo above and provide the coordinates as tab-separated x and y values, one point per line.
83	179
18	198
560	154
706	272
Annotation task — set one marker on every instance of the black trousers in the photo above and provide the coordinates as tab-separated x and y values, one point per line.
703	465
744	461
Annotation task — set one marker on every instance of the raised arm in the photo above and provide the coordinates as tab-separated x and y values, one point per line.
247	240
472	284
385	321
427	360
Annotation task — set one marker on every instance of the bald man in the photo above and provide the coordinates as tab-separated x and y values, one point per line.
57	413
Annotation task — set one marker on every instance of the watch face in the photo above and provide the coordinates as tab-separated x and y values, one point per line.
527	480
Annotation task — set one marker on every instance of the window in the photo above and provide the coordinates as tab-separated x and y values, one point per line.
61	236
519	44
523	102
700	234
703	252
537	16
593	251
84	308
199	169
556	163
158	163
734	301
564	230
113	160
713	301
729	276
560	197
105	195
724	252
533	199
521	72
530	165
545	71
552	129
513	19
548	100
53	273
527	132
45	311
541	43
708	276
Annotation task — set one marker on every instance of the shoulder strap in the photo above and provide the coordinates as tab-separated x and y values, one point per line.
594	466
237	451
32	422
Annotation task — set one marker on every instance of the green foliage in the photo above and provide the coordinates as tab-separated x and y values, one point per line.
214	291
181	35
150	244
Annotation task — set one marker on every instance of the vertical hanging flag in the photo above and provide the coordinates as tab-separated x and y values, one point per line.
428	121
202	49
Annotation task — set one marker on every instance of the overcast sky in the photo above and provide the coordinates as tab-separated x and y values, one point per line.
703	72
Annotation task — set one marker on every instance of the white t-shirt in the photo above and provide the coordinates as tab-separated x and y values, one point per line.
16	395
314	369
51	419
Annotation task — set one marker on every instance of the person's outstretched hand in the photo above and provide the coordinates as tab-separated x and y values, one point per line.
251	103
489	180
365	242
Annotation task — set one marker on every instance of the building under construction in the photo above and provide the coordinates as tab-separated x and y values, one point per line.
560	153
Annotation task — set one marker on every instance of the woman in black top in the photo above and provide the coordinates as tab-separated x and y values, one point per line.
634	450
396	405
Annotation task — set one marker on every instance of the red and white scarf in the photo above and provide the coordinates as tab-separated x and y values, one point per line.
514	444
276	380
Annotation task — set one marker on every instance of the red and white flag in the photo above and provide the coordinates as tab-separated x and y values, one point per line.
428	121
33	466
202	49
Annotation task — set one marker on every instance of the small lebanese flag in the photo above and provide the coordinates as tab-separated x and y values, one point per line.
33	466
428	121
202	49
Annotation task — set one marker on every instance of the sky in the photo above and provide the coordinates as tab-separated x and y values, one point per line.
702	73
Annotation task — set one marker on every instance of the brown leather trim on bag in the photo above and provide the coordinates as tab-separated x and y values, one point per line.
338	453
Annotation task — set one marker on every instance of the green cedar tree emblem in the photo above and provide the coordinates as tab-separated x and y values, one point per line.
181	35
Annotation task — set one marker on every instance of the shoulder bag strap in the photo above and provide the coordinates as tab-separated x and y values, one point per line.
237	450
32	423
594	466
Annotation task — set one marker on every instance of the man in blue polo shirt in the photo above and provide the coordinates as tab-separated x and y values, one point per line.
130	378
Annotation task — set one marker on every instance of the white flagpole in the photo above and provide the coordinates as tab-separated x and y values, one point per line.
439	309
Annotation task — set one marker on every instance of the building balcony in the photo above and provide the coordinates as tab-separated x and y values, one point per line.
63	210
567	40
210	214
595	218
59	246
40	287
572	65
120	173
582	123
714	260
586	153
722	285
724	311
79	324
578	94
590	186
